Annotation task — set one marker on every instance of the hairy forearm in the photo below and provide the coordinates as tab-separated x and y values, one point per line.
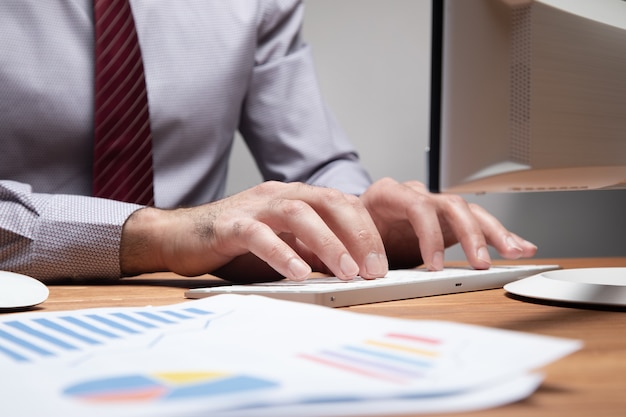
181	241
139	247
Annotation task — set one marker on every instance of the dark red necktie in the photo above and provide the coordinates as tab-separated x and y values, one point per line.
122	141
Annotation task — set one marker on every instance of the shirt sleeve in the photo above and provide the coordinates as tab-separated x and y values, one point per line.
285	122
59	236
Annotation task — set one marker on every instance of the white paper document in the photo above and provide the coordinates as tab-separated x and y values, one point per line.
238	356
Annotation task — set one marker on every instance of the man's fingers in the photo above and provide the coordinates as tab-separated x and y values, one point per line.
334	227
341	217
301	220
508	244
424	218
437	221
262	241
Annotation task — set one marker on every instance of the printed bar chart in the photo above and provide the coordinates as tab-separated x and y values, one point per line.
32	338
393	357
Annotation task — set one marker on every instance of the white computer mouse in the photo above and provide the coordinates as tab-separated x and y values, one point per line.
599	286
18	291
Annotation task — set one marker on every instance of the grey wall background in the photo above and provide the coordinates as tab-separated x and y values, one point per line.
373	62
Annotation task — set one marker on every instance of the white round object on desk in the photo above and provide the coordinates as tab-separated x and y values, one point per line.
18	291
601	286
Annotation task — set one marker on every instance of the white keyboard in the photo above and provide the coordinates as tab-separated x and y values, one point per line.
397	285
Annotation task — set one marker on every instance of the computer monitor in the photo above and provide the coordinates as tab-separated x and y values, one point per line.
528	95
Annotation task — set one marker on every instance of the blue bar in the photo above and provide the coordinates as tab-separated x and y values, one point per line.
113	324
41	335
176	314
375	363
25	344
13	355
156	317
390	356
68	332
198	311
88	326
135	320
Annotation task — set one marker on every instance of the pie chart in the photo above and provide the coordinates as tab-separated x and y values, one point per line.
165	386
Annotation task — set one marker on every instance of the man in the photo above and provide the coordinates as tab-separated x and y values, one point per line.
211	68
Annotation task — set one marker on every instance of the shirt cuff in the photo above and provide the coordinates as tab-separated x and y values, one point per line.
79	237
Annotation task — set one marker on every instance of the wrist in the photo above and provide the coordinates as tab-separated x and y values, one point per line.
140	247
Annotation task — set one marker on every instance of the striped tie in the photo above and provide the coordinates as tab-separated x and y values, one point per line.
122	139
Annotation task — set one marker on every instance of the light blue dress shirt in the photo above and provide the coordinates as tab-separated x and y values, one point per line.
213	67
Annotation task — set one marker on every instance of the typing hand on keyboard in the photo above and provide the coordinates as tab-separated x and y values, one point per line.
396	285
416	227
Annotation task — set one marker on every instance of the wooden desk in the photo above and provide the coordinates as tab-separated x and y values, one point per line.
591	382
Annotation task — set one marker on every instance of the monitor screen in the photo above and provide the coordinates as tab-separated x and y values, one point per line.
528	95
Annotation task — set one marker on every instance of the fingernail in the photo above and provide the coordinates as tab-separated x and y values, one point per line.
531	244
376	265
437	262
348	266
483	255
298	269
514	246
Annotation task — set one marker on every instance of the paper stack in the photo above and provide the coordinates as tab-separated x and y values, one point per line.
239	356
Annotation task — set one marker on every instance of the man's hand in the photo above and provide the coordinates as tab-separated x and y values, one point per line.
277	230
288	226
416	226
